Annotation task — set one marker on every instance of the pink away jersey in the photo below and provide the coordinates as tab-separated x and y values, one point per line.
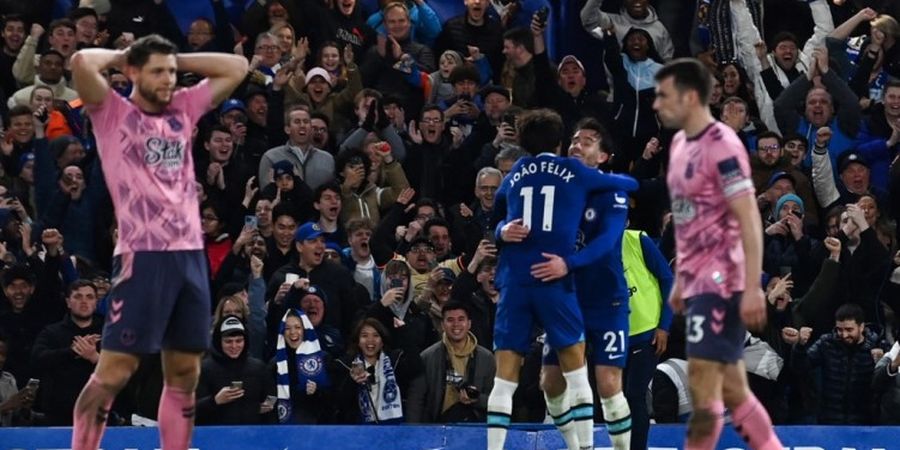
704	174
149	170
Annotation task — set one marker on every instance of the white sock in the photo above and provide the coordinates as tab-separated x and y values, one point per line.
618	420
560	410
499	412
582	400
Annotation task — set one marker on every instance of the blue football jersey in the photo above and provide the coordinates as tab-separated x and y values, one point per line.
601	282
549	193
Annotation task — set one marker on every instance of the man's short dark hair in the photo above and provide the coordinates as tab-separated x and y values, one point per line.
13	18
606	141
216	127
78	13
769	134
455	305
78	284
688	74
465	72
892	83
540	130
850	311
60	23
283	209
520	36
140	51
431	107
359	223
435	222
784	36
18	272
322	117
794	136
19	110
332	186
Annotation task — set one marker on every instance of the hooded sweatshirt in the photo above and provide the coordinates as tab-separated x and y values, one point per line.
595	21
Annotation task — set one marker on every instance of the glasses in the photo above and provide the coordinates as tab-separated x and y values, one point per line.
421	250
488	188
210	218
770	148
431	120
267	48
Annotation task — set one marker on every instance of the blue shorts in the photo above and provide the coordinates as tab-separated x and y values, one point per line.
607	337
555	307
714	328
158	300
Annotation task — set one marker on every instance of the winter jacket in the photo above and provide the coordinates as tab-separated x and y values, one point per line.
426	394
336	104
458	34
217	371
61	371
372	199
407	366
316	170
595	21
571	109
873	137
845	394
378	73
425	25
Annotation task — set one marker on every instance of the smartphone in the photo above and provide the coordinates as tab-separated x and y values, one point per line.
271	400
291	278
798	214
33	384
784	270
357	368
509	119
542	15
237	384
251	221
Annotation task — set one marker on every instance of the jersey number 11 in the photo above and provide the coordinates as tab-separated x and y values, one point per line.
528	196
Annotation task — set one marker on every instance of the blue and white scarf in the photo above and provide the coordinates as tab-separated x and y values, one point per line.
310	364
384	393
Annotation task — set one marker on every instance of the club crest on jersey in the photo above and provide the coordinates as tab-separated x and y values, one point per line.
689	172
311	366
164	152
175	124
590	214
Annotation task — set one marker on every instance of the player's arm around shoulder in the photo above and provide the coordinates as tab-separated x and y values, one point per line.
225	71
87	66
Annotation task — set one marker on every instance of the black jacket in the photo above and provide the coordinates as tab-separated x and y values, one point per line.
845	396
218	371
407	366
571	109
458	34
482	310
61	371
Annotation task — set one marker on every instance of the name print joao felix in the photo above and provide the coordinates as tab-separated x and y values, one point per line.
549	167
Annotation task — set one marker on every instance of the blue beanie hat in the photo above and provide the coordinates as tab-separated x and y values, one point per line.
788	198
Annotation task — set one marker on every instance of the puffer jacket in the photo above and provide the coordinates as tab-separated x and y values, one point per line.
886	386
845	371
372	199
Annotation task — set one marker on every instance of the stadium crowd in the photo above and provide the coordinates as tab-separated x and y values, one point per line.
347	190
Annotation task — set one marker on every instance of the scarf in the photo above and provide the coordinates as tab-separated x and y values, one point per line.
716	30
310	364
383	405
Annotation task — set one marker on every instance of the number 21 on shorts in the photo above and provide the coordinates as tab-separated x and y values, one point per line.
528	197
694	328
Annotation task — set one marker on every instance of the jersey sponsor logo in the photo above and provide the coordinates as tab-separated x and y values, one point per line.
683	210
168	153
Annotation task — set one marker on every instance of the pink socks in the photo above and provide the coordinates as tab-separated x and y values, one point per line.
89	416
176	418
703	432
753	424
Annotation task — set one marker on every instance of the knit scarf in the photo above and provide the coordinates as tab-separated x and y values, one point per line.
715	28
379	402
310	361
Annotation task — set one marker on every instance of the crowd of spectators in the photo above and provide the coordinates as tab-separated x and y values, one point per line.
347	189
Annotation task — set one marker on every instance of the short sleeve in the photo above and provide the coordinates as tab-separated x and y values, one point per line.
113	106
195	100
732	169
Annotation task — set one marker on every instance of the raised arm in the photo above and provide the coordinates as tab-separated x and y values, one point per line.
87	67
225	71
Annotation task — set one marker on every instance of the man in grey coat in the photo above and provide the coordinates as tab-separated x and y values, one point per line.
458	376
315	167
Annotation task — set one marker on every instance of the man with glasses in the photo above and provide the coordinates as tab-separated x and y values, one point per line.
770	159
477	217
266	57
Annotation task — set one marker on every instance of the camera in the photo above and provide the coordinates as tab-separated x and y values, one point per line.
542	15
509	119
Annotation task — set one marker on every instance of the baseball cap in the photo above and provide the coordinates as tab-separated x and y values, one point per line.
570	59
232	104
29	156
282	168
319	72
447	275
850	157
308	231
232	326
779	175
314	291
420	241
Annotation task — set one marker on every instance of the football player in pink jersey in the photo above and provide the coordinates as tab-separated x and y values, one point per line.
718	233
160	298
